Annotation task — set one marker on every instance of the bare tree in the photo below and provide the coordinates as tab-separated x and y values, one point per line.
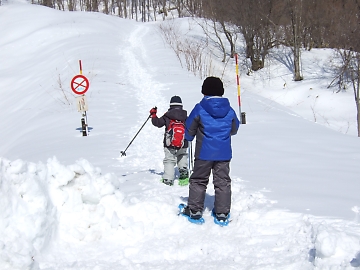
210	29
294	8
71	5
349	71
317	21
194	7
163	9
258	21
60	4
48	3
106	4
216	12
188	49
345	35
134	6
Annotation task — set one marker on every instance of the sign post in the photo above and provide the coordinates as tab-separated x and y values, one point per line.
79	85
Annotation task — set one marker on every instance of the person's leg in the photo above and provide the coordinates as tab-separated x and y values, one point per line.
198	184
182	161
169	166
222	185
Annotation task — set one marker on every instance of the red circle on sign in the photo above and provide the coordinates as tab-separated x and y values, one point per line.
79	84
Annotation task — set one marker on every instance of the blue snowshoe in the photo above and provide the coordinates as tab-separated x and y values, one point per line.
221	219
195	218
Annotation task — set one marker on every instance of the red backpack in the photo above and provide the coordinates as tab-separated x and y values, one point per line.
175	134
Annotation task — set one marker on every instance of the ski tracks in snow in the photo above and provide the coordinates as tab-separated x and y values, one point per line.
148	94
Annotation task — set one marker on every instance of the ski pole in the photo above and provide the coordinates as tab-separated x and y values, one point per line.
191	160
123	152
189	157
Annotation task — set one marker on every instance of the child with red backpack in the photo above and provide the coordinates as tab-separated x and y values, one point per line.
175	145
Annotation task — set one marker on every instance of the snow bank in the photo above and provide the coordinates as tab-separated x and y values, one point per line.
75	205
39	202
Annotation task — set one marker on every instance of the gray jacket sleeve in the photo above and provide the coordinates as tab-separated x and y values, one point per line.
158	122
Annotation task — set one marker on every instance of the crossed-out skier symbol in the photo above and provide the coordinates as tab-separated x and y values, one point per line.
79	84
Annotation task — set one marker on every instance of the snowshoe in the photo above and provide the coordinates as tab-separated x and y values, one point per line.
195	218
167	182
221	219
183	182
184	173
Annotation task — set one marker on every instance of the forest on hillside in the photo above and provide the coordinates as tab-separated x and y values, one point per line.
264	24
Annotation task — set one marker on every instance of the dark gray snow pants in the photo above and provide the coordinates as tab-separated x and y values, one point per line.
222	184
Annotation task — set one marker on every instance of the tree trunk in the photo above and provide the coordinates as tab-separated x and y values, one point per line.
229	37
357	92
295	11
296	53
106	6
125	9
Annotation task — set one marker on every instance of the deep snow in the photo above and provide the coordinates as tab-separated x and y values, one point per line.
72	202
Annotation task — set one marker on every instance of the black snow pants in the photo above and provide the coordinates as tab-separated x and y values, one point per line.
222	184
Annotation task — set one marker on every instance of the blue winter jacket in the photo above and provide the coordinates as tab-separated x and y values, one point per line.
212	121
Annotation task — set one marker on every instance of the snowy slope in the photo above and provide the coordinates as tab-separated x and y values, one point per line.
72	202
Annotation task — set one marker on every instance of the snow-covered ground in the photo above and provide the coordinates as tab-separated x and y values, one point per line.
72	202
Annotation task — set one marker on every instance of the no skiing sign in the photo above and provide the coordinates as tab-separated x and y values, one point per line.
79	84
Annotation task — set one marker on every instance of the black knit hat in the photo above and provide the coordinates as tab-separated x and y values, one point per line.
175	101
212	86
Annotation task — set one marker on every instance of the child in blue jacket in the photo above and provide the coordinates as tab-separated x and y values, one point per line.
213	122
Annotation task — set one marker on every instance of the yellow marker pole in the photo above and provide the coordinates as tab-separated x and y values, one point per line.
80	67
241	114
238	82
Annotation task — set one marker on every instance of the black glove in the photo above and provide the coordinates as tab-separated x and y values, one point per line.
153	112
